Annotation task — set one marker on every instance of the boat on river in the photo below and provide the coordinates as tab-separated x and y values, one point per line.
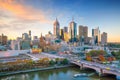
81	75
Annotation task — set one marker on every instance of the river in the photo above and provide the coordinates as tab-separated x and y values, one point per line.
56	74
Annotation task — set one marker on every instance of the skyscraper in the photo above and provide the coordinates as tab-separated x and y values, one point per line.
72	30
56	29
66	29
25	36
61	34
83	31
30	34
104	38
96	35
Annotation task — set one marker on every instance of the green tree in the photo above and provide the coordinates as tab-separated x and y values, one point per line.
64	61
51	62
94	53
57	60
116	54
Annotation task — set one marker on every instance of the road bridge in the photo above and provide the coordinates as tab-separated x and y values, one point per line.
101	69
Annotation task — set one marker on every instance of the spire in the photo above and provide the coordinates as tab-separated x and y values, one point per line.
56	22
56	19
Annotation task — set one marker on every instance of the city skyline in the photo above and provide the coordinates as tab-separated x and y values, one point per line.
19	16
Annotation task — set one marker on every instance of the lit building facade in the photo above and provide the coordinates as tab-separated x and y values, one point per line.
96	35
26	41
65	29
3	39
66	37
61	34
56	29
73	31
104	38
83	33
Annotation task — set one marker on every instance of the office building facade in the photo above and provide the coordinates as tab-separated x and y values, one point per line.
56	29
73	31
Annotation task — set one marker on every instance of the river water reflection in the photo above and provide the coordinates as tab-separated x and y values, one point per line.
55	74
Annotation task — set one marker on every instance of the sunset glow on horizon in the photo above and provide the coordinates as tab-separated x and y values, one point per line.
20	16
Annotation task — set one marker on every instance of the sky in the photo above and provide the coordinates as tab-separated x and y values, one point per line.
20	16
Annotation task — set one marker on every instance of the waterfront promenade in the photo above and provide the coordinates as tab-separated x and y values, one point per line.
100	68
36	57
32	70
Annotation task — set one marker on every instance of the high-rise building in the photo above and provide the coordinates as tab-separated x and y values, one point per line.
66	36
104	38
30	34
96	35
49	38
25	44
61	34
83	32
65	29
35	37
26	41
35	42
56	28
3	39
42	42
26	36
73	30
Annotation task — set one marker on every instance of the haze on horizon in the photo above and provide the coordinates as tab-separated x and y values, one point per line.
20	16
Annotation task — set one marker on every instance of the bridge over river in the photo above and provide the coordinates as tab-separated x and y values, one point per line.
101	69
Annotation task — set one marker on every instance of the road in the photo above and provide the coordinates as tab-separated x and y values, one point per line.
74	58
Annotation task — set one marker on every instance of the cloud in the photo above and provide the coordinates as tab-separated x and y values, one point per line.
16	17
12	27
23	12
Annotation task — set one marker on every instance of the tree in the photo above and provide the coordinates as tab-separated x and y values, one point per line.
57	60
64	61
51	62
45	61
94	53
102	58
116	54
110	59
88	58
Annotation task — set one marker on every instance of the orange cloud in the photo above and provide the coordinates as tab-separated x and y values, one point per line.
23	12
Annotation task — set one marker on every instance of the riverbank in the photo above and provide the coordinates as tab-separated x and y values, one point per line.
34	69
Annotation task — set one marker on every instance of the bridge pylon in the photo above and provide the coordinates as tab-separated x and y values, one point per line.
81	67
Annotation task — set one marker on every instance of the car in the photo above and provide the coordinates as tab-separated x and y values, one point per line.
78	61
107	68
119	71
